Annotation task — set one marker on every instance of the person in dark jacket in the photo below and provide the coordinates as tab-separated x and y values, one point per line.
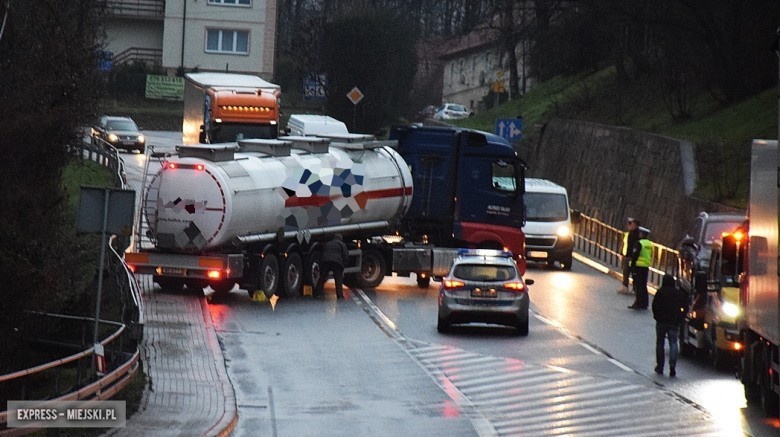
670	305
334	257
630	237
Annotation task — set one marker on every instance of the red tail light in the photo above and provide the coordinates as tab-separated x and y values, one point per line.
449	284
518	286
214	274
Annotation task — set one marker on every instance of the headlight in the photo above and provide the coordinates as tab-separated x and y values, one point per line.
563	231
141	139
729	309
112	138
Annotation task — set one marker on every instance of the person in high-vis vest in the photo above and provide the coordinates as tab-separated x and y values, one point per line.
641	259
630	237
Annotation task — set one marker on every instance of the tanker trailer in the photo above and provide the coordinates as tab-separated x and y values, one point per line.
255	212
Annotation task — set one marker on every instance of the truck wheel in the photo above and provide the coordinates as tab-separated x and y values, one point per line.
311	270
168	284
222	288
372	269
769	399
292	275
748	369
269	274
423	281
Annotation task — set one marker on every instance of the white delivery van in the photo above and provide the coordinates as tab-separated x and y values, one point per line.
313	124
548	233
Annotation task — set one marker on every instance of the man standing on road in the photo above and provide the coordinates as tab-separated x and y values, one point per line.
334	257
670	305
641	259
630	237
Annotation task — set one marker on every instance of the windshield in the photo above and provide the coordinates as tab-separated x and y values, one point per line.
121	125
545	207
715	230
483	272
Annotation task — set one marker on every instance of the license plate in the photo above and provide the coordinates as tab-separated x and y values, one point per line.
172	271
484	293
128	142
537	254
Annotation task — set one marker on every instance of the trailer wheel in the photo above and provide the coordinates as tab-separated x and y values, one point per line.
168	284
222	288
292	275
311	270
269	273
372	269
769	399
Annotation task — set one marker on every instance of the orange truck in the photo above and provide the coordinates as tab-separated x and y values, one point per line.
228	107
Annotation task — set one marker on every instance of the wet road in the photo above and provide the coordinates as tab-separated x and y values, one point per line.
375	365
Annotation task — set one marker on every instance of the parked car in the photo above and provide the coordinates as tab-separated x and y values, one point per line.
484	286
452	111
426	113
696	247
119	132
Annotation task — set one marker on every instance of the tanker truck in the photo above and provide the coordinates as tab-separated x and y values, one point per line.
223	107
256	212
760	321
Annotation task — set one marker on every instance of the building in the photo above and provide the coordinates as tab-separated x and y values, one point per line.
205	35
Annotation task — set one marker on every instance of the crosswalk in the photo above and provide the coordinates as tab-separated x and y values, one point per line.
510	397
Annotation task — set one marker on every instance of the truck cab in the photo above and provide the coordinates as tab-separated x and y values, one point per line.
469	188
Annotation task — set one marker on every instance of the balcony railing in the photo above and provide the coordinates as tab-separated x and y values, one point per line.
136	8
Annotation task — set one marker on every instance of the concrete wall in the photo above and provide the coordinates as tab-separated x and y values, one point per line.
613	173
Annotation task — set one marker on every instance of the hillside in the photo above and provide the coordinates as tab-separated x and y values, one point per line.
721	134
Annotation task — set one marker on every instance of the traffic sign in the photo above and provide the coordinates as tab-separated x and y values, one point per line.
314	88
510	129
355	95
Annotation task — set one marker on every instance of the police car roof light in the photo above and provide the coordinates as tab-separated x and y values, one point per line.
485	252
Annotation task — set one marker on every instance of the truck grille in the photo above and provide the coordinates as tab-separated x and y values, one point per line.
540	241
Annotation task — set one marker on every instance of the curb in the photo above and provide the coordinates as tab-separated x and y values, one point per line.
225	425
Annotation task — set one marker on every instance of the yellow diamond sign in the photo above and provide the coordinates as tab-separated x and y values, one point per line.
355	95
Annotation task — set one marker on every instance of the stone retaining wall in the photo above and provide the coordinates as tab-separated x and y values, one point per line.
613	172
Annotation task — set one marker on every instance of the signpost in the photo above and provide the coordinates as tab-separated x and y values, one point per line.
355	96
105	211
511	129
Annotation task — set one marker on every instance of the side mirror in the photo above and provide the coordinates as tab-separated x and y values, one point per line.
529	281
436	278
576	216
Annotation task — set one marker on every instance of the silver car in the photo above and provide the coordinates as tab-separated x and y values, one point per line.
451	111
484	286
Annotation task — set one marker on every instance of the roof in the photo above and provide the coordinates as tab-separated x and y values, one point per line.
231	80
535	185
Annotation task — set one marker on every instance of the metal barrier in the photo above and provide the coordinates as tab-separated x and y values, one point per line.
603	242
103	153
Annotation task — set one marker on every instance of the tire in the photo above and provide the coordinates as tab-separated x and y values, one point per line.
522	328
169	284
222	288
292	275
443	326
752	390
196	285
424	281
372	269
269	274
311	270
686	349
769	399
567	261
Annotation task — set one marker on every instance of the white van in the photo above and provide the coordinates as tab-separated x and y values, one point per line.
314	124
549	236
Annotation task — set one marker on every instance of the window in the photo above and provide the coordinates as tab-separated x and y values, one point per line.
504	178
227	41
545	207
231	2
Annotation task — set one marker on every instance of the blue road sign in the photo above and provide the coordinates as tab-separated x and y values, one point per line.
314	88
510	129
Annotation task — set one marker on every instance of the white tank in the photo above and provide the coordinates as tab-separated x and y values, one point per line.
213	195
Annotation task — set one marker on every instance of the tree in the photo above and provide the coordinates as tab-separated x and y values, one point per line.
372	49
48	74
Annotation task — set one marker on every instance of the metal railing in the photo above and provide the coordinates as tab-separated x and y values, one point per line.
103	153
146	55
603	242
136	8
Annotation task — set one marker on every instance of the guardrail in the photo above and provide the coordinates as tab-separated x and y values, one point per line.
604	243
104	154
74	376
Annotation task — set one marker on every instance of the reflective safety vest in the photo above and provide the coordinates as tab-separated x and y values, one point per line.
645	258
625	244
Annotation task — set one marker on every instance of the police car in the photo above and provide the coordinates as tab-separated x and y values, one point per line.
484	286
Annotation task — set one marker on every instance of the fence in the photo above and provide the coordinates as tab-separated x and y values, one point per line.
603	242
